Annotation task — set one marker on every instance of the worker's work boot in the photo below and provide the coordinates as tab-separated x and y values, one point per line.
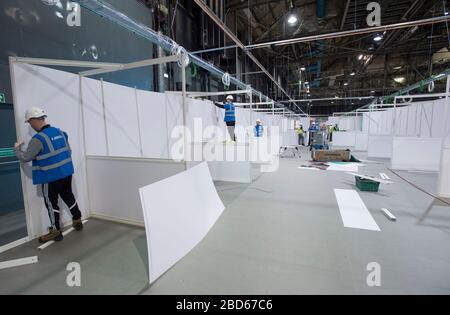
53	235
77	225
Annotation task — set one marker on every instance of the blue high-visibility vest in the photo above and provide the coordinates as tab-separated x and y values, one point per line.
54	162
259	131
230	112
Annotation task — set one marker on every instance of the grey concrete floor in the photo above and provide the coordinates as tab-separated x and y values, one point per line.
282	234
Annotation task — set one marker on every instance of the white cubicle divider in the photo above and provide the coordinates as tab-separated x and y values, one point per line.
174	226
122	120
58	93
344	139
95	127
444	176
115	183
380	147
362	141
416	154
153	124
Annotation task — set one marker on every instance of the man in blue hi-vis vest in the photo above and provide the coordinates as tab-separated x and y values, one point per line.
52	169
259	129
230	116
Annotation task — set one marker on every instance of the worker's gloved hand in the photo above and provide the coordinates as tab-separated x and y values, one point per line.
18	145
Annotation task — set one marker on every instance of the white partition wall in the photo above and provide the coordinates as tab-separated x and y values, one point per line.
58	93
444	177
380	146
344	139
362	141
94	117
121	120
153	124
115	184
416	154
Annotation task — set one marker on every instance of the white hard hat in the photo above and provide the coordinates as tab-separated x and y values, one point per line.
230	97
258	121
35	112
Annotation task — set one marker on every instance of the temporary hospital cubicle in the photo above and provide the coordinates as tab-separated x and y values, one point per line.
118	135
122	138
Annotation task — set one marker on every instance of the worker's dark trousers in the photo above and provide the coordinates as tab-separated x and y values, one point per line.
231	126
60	188
301	140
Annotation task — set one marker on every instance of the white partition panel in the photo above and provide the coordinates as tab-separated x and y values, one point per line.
174	109
58	93
115	184
444	177
94	117
174	226
153	124
121	120
417	154
362	141
344	139
380	147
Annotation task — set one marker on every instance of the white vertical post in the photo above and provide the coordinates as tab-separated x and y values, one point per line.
139	122
83	129
444	139
104	117
183	79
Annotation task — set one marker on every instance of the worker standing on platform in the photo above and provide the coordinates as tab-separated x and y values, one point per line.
53	169
259	129
230	116
301	135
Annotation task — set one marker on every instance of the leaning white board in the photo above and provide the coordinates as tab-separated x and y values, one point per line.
179	212
354	212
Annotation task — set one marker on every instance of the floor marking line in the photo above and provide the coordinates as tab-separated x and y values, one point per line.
65	233
18	262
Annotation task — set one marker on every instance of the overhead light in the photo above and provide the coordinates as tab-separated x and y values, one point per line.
166	75
397	68
336	97
332	102
303	69
373	92
446	13
378	38
360	57
353	74
346	83
400	80
292	20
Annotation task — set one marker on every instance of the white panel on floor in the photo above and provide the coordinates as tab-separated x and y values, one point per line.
115	183
354	212
179	212
121	120
416	154
94	117
58	93
153	124
362	141
348	167
380	147
444	177
344	139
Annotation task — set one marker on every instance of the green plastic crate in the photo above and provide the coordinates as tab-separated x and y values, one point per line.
367	184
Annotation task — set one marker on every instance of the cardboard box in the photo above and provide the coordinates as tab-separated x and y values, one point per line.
332	155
